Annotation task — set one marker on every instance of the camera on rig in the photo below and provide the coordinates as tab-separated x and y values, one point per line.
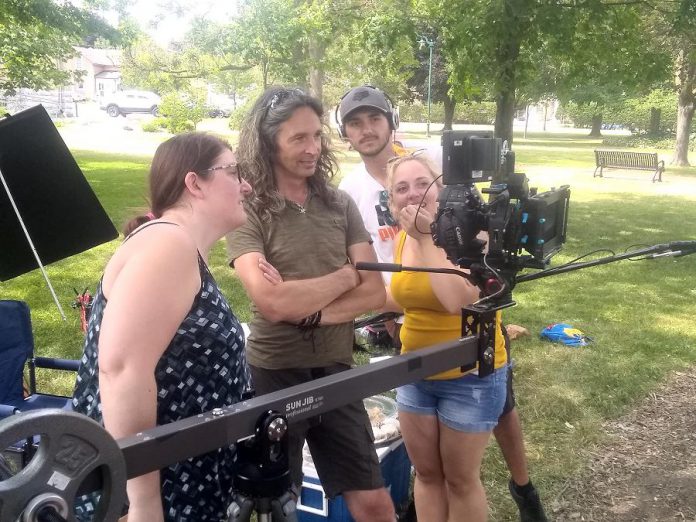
515	229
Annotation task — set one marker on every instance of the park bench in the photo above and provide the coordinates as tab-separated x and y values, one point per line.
616	159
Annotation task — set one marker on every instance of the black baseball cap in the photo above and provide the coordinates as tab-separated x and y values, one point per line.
363	97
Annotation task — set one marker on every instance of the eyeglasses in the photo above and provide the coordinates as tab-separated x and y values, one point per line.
233	166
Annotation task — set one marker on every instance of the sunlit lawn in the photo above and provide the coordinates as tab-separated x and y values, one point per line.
639	313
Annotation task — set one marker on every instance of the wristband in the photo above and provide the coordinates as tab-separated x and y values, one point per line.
310	322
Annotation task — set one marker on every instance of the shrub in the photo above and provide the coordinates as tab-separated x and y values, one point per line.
413	112
236	119
631	113
634	113
580	114
154	125
644	141
475	113
181	114
417	112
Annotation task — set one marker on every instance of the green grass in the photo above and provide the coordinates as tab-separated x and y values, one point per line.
639	313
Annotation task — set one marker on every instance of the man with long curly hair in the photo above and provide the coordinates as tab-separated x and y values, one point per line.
295	258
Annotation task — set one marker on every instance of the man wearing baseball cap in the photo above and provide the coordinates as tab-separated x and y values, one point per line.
367	118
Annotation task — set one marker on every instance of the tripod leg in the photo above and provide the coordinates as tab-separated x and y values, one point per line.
284	508
240	509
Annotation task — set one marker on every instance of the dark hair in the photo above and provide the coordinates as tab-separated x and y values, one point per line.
257	150
179	155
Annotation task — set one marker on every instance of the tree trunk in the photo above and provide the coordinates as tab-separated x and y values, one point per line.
686	83
316	69
655	117
685	116
504	116
507	56
526	120
596	131
450	104
546	112
264	74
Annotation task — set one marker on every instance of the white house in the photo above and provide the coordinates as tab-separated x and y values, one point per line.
101	76
101	72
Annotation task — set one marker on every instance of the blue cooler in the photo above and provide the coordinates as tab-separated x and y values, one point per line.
314	506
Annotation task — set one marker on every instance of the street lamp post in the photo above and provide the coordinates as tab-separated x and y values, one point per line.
423	41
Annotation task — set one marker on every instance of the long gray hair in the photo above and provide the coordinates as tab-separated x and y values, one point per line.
257	150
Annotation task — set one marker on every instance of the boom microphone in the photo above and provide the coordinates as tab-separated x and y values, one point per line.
682	248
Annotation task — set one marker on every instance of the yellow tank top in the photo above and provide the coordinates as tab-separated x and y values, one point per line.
426	322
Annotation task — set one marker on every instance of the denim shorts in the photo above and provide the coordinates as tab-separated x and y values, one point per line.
469	403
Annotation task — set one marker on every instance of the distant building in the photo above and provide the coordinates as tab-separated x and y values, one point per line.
101	77
101	70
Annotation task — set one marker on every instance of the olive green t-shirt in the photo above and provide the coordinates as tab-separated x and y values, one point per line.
300	245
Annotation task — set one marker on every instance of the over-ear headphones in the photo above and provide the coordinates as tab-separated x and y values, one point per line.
361	98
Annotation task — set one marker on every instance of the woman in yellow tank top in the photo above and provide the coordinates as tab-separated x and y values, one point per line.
446	420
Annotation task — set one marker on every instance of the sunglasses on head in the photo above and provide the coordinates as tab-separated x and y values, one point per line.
281	96
413	154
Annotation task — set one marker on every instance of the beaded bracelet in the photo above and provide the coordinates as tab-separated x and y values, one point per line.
310	322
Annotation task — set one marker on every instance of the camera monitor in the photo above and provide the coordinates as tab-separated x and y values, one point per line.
61	213
469	157
544	225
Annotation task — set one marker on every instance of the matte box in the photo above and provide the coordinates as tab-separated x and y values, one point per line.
314	506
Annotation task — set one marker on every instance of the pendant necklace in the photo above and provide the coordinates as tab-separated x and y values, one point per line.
299	206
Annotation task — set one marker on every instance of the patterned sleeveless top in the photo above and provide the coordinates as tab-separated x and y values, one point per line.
204	367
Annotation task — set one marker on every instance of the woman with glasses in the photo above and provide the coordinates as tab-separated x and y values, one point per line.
162	343
446	420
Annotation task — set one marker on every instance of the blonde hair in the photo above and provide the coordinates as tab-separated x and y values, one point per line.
418	156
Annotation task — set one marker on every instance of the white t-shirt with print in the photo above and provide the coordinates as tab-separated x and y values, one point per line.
365	191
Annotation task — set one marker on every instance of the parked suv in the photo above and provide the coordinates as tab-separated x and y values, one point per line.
219	112
126	102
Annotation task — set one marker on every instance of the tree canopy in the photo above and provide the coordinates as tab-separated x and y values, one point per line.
36	36
512	52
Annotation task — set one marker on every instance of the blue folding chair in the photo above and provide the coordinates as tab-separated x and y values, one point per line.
16	351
